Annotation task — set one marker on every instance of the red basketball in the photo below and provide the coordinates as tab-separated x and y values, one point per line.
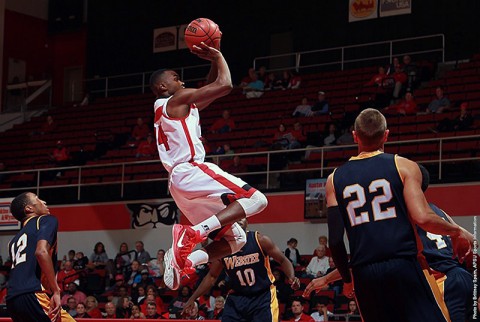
203	29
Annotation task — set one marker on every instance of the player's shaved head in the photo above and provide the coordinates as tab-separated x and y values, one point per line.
17	207
370	127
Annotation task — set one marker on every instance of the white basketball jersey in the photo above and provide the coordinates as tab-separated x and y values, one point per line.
178	139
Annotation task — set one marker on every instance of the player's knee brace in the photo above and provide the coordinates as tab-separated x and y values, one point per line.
236	238
253	205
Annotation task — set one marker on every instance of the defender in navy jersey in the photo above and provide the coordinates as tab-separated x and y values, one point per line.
32	291
454	281
253	296
376	198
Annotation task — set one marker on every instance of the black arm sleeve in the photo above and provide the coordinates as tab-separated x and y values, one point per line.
336	229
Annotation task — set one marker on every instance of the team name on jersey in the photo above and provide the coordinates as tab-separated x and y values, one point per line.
237	261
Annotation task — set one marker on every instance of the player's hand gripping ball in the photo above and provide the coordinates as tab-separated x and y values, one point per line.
203	29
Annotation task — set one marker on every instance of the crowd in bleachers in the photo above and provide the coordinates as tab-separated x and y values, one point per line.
131	284
419	103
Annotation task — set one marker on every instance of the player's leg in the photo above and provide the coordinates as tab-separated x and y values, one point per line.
458	294
210	198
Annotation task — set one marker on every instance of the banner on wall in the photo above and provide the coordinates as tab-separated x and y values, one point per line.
164	39
395	7
359	10
7	221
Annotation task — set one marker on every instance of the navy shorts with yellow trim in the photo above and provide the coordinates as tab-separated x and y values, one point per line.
262	307
31	307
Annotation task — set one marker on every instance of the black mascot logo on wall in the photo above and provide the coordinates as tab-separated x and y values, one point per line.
150	215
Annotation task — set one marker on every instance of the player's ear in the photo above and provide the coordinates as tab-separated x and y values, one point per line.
385	136
355	137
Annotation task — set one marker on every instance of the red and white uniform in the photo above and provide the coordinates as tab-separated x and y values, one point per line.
200	189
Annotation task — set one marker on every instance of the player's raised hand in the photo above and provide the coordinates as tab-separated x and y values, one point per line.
206	52
462	244
294	283
315	284
187	308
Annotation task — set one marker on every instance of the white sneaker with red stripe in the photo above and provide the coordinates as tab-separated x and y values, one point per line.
171	276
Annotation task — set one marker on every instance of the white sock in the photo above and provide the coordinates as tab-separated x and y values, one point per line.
207	226
198	257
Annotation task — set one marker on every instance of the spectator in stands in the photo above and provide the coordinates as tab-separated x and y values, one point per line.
391	67
139	295
91	304
152	312
281	138
140	131
110	311
292	253
48	127
303	109
82	311
321	106
347	137
298	135
319	263
135	275
116	289
405	106
176	305
283	82
224	124
71	306
123	259
70	256
136	313
99	257
147	148
440	103
80	261
353	308
60	155
270	82
321	312
298	313
123	308
142	256
206	304
284	291
216	314
330	135
66	276
237	166
377	79
400	81
262	74
152	296
145	279
254	89
73	291
295	80
411	69
248	78
463	121
157	265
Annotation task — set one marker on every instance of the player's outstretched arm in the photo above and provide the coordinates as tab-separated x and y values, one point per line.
276	254
205	286
422	215
322	282
45	261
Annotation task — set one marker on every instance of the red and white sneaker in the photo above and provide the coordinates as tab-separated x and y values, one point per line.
184	241
171	276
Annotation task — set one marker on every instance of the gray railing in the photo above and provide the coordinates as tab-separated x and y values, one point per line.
340	57
319	169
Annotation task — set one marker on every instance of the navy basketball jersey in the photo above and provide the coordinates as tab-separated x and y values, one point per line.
26	275
438	249
249	269
369	191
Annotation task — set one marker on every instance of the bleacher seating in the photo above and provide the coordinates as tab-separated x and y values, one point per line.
256	119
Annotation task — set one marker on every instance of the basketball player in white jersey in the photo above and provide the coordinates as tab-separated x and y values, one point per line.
211	199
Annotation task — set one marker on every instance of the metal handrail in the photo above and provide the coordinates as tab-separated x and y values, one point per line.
106	88
267	173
